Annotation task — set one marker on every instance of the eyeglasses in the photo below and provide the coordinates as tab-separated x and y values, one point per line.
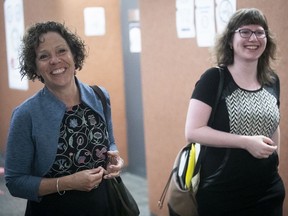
246	33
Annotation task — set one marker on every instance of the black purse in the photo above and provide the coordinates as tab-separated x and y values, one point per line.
120	199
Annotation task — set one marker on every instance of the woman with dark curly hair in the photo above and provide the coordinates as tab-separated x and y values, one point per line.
60	146
239	172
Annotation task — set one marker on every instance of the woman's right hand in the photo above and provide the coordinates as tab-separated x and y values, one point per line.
86	180
259	146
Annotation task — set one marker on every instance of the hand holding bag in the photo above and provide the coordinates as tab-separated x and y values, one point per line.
120	199
184	179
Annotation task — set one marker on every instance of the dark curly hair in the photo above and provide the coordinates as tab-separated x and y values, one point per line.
224	55
31	41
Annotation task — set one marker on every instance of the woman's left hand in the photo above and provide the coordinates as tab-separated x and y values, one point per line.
114	165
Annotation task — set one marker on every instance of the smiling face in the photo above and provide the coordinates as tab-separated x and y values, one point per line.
250	48
54	61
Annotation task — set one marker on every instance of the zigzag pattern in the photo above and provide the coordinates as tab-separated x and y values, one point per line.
253	113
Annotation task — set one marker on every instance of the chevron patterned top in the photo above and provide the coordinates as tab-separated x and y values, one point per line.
253	112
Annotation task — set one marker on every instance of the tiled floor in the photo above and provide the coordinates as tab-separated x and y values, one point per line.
11	206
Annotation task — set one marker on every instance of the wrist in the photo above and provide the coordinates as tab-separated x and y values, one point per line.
244	142
59	187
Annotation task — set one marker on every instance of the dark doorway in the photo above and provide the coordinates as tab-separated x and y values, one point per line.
130	22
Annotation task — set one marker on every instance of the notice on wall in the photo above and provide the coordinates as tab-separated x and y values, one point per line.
135	37
94	21
224	10
14	30
135	43
205	23
185	18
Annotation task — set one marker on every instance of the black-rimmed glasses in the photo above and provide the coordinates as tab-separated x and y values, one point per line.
246	33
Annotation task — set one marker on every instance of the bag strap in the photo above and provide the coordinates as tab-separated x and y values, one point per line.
163	195
102	97
211	119
219	92
100	94
203	148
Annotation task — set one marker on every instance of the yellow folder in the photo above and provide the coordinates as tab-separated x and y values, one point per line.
190	166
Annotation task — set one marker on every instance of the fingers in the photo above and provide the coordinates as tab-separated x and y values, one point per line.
95	183
112	175
115	159
96	170
262	147
269	149
266	152
114	166
113	153
92	178
268	141
112	171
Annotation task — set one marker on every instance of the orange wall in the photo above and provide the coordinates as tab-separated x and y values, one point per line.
103	66
170	68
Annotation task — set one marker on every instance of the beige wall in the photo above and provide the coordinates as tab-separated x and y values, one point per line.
170	68
103	66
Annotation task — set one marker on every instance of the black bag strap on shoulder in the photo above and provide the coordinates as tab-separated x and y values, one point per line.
211	119
102	97
218	96
100	94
